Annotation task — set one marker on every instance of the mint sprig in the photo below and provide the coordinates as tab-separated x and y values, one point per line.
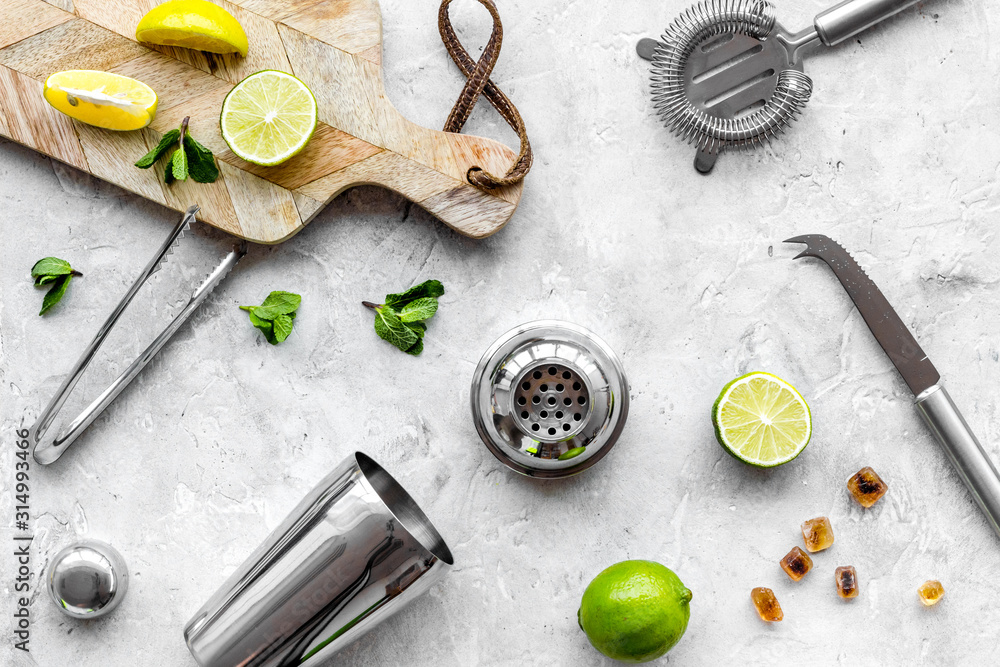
55	272
400	320
188	159
274	317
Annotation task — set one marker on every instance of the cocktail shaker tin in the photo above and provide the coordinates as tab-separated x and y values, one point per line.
353	552
549	399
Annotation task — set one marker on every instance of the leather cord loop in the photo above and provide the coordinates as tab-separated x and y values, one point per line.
478	83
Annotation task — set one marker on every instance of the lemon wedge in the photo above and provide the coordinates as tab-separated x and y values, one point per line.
193	24
103	99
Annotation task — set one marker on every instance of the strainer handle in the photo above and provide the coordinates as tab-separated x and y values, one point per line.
852	16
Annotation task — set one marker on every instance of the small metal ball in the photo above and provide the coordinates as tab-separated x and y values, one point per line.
87	580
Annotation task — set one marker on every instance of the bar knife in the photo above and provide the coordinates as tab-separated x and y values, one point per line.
930	397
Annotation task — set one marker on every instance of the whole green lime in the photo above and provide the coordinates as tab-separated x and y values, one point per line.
635	611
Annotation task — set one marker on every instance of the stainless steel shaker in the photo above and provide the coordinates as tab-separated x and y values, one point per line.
353	552
549	399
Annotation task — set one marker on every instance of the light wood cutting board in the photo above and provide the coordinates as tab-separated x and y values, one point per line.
335	46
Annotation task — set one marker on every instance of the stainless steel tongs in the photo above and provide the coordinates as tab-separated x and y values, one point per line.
48	449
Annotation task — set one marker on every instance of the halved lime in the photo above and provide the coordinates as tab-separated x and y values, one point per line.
762	420
268	117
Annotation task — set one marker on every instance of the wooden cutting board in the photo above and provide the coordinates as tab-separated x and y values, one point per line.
334	46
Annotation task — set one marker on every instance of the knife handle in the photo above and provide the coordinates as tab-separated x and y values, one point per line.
963	450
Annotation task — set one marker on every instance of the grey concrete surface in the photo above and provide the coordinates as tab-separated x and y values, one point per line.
897	156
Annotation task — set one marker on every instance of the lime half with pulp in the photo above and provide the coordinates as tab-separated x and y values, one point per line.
762	420
268	117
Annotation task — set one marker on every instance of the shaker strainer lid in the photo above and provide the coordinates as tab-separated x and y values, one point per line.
549	399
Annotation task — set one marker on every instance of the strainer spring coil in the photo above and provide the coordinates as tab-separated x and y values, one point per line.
703	21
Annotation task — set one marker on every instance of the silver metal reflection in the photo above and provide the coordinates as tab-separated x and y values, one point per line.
549	399
87	580
353	552
962	448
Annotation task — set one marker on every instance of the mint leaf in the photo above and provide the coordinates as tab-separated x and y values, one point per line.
201	162
430	288
190	157
55	272
282	326
264	325
401	319
54	295
278	303
50	266
275	316
166	141
389	328
179	164
416	327
419	309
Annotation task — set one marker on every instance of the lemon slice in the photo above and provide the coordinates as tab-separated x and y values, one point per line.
268	117
193	24
762	420
103	99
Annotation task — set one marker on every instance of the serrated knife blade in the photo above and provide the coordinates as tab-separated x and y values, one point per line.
931	398
895	338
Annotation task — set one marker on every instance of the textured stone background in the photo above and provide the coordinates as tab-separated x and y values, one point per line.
896	156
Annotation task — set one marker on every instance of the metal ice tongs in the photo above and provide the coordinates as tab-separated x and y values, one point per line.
52	448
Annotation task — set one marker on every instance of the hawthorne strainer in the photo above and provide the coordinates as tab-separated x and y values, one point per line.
727	76
549	399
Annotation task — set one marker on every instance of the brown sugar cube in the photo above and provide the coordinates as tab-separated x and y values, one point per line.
847	581
817	534
931	592
866	486
766	604
796	563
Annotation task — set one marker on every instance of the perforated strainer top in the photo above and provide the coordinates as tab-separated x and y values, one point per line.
549	399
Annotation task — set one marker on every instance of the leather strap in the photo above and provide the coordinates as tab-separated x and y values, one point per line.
478	83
